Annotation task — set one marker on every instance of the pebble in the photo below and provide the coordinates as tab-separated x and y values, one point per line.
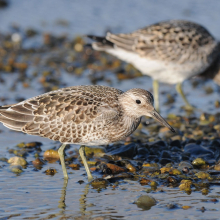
196	150
115	169
37	162
145	202
17	161
126	151
50	172
51	155
74	166
16	169
198	162
96	152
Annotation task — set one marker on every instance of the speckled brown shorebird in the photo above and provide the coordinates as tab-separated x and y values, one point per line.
84	115
170	52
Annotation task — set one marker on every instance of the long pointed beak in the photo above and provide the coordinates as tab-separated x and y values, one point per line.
159	118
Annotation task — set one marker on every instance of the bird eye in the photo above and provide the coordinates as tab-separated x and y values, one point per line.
138	101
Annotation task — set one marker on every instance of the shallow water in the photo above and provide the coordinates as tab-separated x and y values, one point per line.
34	195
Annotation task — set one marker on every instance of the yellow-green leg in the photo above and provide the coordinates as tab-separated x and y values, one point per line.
60	152
82	155
180	91
156	95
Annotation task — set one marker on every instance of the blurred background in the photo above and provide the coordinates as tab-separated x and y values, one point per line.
43	46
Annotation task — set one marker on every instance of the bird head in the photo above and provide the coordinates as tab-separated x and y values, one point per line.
139	102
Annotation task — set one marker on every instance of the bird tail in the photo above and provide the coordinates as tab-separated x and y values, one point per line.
101	43
9	119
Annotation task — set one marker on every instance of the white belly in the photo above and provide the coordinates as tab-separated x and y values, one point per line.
162	71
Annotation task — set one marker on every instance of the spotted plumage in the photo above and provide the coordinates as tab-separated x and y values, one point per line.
170	51
91	115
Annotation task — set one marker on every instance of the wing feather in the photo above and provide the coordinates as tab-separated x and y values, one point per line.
65	115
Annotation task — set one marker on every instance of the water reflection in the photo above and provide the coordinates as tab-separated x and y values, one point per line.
62	201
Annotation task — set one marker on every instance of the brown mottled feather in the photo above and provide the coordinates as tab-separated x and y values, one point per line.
168	41
69	115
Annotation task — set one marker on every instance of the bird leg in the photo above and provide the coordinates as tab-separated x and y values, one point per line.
60	152
156	94
180	91
82	155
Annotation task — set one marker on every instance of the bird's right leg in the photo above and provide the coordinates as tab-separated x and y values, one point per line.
180	91
156	94
82	155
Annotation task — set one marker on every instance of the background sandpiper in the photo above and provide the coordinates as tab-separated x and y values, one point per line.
170	52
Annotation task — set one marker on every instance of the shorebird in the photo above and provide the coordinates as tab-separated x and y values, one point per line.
169	52
83	115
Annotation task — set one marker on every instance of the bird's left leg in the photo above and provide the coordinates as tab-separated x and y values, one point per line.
82	154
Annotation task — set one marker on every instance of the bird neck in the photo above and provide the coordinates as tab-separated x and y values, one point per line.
130	124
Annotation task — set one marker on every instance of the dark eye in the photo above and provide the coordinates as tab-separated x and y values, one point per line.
138	101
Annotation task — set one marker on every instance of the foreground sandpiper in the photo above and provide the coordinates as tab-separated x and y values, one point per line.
84	115
169	52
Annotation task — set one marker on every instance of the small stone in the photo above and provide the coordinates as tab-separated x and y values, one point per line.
198	151
217	167
185	185
74	166
150	165
202	175
33	144
153	184
205	191
172	180
130	167
3	159
175	143
17	161
99	183
171	206
51	172
21	145
213	200
115	169
165	154
145	202
128	151
81	182
177	138
217	104
186	207
185	170
165	169
92	151
91	163
16	169
198	162
175	172
202	209
78	47
183	164
51	155
37	162
144	181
